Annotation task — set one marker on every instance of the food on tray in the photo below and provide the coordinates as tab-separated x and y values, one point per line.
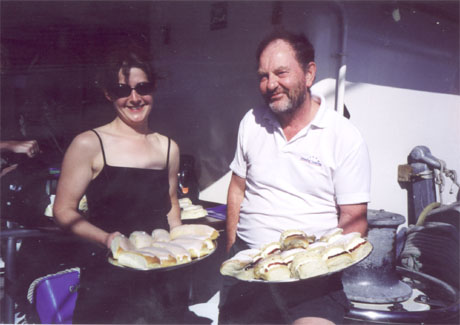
137	260
180	253
293	239
336	257
272	268
240	266
308	264
298	256
199	230
197	247
161	235
121	244
140	239
190	211
162	248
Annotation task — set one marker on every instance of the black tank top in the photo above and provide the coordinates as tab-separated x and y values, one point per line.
127	199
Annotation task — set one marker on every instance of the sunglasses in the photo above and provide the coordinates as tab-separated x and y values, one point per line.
124	90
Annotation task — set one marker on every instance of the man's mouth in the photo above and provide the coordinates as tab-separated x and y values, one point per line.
275	97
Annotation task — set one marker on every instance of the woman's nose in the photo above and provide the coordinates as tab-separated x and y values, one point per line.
134	96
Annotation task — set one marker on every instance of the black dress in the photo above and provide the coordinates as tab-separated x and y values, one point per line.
128	199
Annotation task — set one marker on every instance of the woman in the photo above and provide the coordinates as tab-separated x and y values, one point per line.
129	176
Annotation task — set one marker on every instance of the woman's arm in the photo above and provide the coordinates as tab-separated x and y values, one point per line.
76	173
174	218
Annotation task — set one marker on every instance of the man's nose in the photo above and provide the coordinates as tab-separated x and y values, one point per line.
272	83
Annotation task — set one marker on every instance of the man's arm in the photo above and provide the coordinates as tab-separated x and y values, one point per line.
234	198
353	217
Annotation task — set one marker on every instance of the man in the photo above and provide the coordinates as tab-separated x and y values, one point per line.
297	166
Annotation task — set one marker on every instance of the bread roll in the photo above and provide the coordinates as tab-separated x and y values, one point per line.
272	268
331	235
317	247
142	261
193	212
120	244
336	258
308	264
357	246
160	235
240	265
293	239
180	253
166	257
289	255
195	246
194	230
140	239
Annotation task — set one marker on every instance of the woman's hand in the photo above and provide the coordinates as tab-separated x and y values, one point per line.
110	237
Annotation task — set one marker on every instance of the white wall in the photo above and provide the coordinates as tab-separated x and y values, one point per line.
402	89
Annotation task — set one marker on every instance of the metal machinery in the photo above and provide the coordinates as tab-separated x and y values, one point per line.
411	277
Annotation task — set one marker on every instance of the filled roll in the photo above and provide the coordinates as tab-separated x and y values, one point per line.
166	257
308	264
194	230
240	265
195	246
140	239
290	239
160	235
180	253
121	244
142	261
272	268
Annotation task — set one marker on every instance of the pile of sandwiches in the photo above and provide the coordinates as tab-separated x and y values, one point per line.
188	210
298	256
161	248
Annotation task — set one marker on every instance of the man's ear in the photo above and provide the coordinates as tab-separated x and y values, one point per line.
310	74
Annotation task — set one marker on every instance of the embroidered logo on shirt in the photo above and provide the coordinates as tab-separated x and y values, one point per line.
312	160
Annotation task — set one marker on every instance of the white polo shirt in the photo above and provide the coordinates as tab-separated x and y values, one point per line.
298	184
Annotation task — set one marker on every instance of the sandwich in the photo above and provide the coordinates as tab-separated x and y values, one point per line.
331	235
180	253
120	244
289	255
194	230
336	257
272	268
293	239
308	264
195	246
357	246
241	265
137	260
193	212
166	257
160	235
140	239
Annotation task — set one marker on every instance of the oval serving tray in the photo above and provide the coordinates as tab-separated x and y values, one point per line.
311	278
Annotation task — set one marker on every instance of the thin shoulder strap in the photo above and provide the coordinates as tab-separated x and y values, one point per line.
167	158
102	146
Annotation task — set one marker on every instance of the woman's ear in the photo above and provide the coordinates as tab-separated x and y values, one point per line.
310	74
107	95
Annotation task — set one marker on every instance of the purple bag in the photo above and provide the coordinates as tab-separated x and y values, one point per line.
55	296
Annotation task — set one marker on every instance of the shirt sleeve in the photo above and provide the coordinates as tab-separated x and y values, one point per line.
352	178
239	163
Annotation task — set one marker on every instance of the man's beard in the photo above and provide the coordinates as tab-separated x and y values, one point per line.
293	101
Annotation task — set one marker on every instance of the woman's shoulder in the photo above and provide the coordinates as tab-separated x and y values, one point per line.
86	140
